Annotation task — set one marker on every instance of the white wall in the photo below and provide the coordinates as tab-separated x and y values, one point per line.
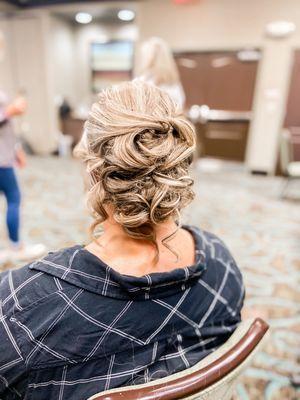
62	58
6	64
7	83
31	62
214	24
25	68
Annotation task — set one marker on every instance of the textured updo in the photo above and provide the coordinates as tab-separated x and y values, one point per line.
138	148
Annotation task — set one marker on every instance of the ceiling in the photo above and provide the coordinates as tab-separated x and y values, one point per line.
107	14
40	3
102	11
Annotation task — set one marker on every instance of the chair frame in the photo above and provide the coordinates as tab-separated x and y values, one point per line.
189	383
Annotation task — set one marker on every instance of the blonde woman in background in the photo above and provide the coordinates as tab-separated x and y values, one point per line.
156	65
145	299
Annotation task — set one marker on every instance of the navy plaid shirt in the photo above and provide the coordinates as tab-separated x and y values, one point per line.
71	326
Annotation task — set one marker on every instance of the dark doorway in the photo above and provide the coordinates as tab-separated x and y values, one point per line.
223	81
292	118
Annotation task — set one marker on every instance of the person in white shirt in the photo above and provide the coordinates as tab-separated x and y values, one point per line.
156	65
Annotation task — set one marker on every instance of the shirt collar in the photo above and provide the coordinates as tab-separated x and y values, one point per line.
81	268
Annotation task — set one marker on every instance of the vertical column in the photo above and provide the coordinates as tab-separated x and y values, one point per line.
6	64
269	106
31	73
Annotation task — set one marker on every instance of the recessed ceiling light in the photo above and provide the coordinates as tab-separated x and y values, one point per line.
83	18
126	15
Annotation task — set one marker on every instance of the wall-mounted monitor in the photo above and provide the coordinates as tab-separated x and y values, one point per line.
111	63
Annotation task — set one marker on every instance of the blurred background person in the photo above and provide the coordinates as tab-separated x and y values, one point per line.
11	154
157	65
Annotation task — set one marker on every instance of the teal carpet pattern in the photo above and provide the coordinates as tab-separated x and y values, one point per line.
261	230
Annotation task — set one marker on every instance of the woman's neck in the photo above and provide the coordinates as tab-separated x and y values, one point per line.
139	257
112	231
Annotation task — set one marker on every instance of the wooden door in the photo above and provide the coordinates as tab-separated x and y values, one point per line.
222	81
292	118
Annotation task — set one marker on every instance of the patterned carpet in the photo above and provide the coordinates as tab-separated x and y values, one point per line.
262	231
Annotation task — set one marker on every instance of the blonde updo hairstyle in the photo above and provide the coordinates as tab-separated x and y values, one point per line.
138	148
